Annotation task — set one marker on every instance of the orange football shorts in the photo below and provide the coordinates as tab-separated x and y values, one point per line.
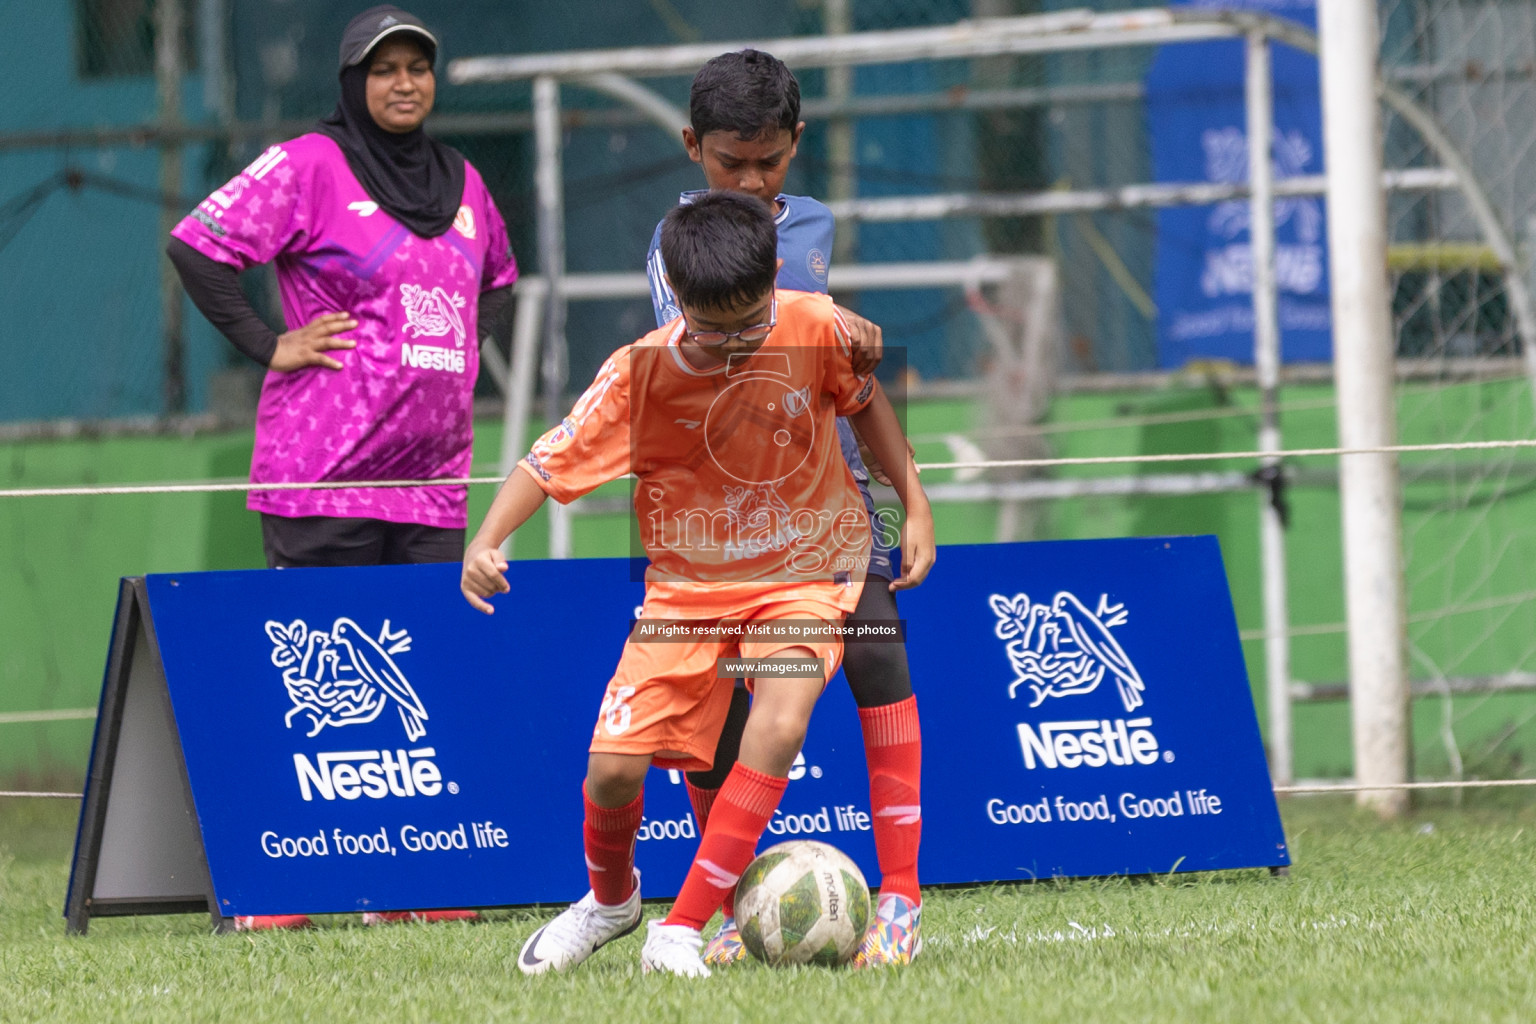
664	695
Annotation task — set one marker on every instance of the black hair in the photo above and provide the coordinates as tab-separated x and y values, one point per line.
747	92
721	250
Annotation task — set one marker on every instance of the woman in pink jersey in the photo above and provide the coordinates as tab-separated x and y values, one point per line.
392	260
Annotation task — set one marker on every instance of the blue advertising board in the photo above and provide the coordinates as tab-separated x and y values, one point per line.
360	739
1198	124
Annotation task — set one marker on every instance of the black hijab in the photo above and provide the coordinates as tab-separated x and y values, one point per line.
416	179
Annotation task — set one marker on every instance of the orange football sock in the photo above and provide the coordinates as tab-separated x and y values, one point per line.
609	836
893	746
702	800
736	822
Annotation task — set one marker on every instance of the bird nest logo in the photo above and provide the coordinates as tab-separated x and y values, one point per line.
1062	649
434	313
344	676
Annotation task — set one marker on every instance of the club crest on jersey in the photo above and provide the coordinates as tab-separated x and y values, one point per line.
433	313
816	264
464	220
556	438
343	676
796	402
1062	649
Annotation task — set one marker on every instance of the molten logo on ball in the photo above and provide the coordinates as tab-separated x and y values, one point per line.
802	902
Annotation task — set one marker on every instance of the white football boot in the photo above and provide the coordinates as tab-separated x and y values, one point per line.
581	930
673	949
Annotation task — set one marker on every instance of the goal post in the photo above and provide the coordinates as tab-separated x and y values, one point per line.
1363	357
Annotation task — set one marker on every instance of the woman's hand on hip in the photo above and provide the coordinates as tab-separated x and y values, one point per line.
308	345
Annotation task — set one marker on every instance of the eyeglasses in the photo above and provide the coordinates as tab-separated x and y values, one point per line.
750	335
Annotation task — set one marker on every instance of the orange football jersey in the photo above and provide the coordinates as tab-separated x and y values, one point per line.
740	477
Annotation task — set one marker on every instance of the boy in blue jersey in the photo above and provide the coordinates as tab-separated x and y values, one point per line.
744	114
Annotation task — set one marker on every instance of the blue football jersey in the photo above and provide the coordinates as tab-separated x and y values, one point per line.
805	245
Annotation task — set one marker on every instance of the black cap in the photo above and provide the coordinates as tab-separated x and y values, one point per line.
368	29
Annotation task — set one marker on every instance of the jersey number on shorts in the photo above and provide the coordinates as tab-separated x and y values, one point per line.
616	711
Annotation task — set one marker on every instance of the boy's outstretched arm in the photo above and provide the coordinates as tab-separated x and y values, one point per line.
587	449
876	423
517	500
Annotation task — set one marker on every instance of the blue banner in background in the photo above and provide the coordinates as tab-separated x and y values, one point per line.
1204	282
1086	711
361	739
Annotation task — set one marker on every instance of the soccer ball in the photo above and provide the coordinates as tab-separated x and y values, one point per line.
802	902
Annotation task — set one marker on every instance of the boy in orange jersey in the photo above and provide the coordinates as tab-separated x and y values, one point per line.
749	514
744	130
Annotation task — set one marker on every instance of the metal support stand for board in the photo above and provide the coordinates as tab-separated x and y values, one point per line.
139	848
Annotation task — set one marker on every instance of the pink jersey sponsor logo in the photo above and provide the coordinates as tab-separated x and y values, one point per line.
430	357
433	313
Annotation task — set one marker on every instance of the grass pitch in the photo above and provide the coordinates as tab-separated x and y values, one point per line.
1430	919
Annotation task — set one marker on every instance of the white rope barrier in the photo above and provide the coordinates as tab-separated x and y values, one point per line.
1351	787
1322	787
1131	422
243	485
1293	453
1096	460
